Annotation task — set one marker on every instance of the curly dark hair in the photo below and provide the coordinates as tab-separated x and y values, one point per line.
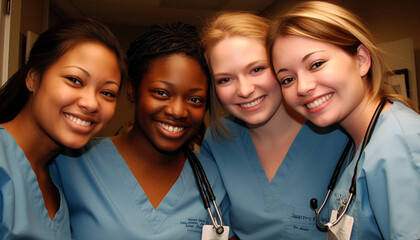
161	41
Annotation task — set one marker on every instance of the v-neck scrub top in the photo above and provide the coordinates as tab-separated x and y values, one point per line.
279	209
106	201
23	214
387	201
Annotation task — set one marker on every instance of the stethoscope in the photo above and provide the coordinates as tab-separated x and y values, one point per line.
352	191
206	194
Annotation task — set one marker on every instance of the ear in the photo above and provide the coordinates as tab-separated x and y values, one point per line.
363	57
131	92
32	80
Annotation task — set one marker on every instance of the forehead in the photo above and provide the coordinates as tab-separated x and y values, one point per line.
176	69
242	49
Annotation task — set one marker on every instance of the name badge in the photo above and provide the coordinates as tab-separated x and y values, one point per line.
209	233
341	231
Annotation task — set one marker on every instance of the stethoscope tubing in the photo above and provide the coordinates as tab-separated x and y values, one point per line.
206	191
352	190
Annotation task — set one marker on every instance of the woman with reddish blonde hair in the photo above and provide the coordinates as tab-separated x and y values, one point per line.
332	72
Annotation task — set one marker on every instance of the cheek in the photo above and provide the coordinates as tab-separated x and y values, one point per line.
197	115
224	94
108	111
289	95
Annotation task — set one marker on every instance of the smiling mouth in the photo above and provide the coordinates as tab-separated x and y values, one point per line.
253	103
319	101
78	121
170	128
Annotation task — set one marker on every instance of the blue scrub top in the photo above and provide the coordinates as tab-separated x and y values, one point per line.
106	201
387	202
23	214
278	209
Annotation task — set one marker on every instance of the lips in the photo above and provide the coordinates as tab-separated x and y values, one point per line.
253	103
78	121
318	101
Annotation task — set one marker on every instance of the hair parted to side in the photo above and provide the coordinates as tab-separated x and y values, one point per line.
162	41
219	27
334	24
50	46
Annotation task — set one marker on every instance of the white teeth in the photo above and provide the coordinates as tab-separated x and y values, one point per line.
170	128
319	101
78	121
251	104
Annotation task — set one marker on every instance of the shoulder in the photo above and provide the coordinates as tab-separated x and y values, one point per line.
95	150
93	145
232	124
397	135
399	120
209	167
208	164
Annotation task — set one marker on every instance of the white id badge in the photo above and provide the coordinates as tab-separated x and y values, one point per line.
341	231
209	233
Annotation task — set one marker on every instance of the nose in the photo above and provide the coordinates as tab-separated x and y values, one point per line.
245	87
89	102
177	109
305	84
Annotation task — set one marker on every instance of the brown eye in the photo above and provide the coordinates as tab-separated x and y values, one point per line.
74	80
223	80
160	93
286	81
317	64
108	94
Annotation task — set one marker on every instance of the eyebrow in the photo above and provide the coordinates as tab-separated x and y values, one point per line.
88	74
303	60
171	85
247	66
81	69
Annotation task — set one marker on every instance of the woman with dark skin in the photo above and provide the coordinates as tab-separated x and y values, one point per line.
139	185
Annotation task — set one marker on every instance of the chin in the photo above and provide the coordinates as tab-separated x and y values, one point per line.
322	122
169	148
76	143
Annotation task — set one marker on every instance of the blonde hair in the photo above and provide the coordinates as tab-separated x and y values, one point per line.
334	24
221	26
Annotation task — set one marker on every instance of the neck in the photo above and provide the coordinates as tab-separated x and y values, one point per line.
38	147
136	145
357	122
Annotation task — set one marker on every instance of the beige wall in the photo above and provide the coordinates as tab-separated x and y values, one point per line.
389	20
33	16
125	109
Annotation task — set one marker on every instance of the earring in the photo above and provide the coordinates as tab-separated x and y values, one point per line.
31	86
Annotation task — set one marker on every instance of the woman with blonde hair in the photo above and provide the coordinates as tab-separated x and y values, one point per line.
331	71
263	150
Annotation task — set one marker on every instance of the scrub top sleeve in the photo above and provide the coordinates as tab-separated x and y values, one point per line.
396	187
394	179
